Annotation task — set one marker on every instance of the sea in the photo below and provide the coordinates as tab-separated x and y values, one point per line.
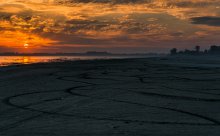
22	60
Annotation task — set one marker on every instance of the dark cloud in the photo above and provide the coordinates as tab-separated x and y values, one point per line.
5	16
103	1
78	21
206	20
185	4
77	24
177	34
153	3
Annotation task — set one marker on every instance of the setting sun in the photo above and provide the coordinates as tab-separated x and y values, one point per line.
26	45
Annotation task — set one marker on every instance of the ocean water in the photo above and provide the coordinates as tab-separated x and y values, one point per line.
19	60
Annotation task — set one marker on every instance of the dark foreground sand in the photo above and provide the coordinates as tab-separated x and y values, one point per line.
131	97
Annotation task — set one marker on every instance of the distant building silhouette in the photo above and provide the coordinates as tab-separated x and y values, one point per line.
213	50
197	49
173	51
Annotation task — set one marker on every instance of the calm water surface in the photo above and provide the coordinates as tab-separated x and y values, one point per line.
16	60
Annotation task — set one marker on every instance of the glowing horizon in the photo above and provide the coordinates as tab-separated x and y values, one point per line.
109	25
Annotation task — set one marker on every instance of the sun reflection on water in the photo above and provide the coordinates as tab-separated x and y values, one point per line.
18	60
26	60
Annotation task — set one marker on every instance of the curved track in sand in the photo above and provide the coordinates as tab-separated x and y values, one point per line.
95	82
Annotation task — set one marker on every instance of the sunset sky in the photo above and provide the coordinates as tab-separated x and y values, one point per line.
120	26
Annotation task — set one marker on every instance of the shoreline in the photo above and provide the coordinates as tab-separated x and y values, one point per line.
201	61
26	60
64	60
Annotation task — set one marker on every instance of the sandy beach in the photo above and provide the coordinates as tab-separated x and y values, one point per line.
169	96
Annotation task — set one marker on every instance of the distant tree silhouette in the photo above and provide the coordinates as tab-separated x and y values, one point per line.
173	51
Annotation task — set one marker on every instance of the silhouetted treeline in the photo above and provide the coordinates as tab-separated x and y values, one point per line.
214	49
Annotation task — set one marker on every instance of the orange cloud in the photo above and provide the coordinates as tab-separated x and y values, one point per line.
97	24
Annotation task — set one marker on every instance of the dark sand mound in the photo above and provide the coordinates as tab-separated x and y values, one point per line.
155	96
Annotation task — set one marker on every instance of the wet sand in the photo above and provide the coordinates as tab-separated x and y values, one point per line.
131	97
